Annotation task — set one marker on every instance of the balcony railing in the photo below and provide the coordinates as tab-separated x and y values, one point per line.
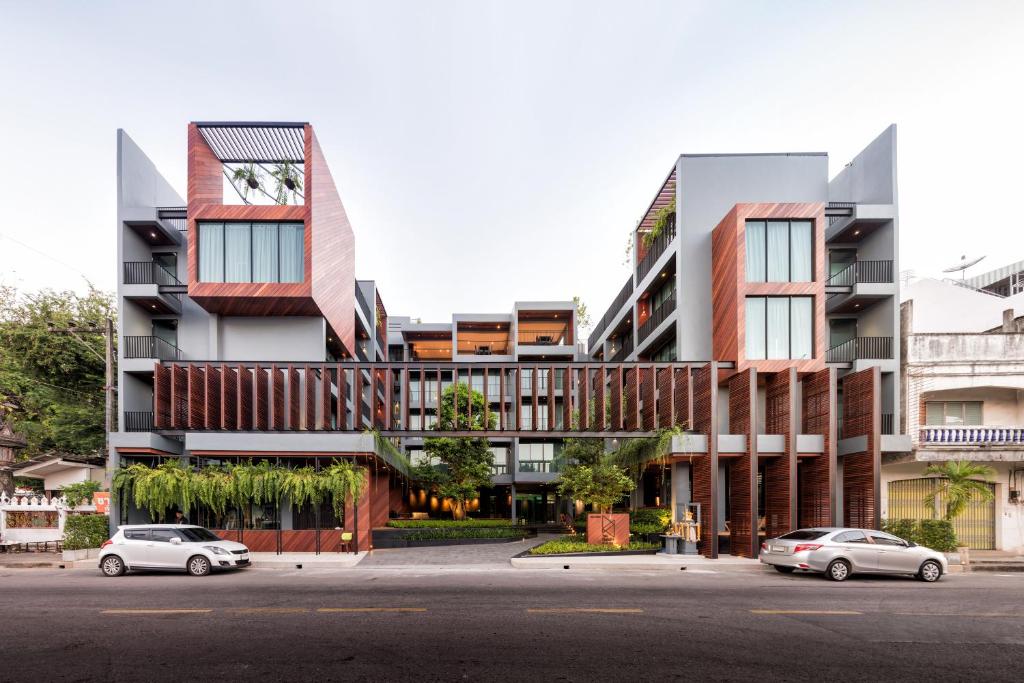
364	307
148	273
965	435
621	298
138	421
837	211
625	347
860	348
887	423
150	347
657	317
862	272
540	466
542	337
656	249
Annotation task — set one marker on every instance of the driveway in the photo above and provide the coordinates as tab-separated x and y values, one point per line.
451	555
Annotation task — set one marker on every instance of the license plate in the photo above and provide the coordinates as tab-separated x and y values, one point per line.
778	548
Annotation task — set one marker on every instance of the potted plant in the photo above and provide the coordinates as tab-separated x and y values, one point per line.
245	179
958	484
287	180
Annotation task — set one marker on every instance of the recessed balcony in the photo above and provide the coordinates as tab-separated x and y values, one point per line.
861	348
968	435
152	286
149	348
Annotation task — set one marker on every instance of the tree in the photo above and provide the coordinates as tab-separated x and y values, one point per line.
51	385
465	462
958	485
601	484
582	316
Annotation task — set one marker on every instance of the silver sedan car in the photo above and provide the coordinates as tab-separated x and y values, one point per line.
839	552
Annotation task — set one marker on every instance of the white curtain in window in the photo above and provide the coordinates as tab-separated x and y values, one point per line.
237	254
211	252
778	327
292	252
800	258
754	328
802	327
972	413
778	251
264	252
755	260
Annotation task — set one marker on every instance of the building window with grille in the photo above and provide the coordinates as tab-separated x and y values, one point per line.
939	413
779	251
779	327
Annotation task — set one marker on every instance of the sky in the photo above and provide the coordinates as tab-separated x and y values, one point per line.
489	152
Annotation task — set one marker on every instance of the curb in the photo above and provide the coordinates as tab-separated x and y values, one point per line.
579	563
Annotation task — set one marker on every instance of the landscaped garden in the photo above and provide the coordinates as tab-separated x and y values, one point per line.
402	531
578	544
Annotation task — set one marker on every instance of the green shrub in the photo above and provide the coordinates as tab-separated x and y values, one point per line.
428	534
660	517
646	528
937	534
578	544
85	531
448	523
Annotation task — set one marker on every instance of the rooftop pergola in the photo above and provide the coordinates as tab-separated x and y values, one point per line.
235	142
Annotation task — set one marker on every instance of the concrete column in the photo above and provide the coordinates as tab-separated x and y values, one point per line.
680	490
513	487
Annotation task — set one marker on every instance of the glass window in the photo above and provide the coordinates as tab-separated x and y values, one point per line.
800	260
803	535
755	328
292	252
778	327
264	252
137	534
938	413
164	535
237	252
801	332
778	251
756	259
196	534
885	539
851	537
211	252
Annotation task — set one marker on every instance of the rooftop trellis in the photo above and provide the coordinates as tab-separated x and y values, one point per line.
272	143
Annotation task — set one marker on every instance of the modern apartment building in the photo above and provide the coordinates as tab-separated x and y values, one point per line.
783	283
963	388
760	318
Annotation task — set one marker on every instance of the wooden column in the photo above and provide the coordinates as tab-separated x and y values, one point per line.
743	468
245	398
705	469
817	473
862	417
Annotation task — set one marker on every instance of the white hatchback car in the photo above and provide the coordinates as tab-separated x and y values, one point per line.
169	546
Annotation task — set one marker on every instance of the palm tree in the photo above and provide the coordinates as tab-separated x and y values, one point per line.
958	484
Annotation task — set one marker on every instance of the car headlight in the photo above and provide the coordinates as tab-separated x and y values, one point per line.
216	550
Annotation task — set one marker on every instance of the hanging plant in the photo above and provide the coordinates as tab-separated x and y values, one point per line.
302	485
245	179
342	480
665	215
287	180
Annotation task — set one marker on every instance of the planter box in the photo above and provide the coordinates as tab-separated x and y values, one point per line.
381	543
608	528
76	555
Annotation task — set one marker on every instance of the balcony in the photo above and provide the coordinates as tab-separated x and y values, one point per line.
152	286
364	307
150	348
543	337
887	423
861	272
658	316
138	421
963	435
625	348
656	249
860	348
609	316
149	273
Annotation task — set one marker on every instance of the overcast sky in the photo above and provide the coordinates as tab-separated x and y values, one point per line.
493	152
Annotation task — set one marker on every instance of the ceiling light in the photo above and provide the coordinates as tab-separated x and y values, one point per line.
664	274
152	234
856	232
153	305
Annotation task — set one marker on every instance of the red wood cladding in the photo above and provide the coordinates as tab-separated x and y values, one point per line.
615	398
584	400
161	396
742	470
631	401
309	384
862	408
245	403
551	399
342	404
325	399
567	400
648	418
179	395
277	405
599	413
212	397
196	392
228	398
729	287
780	472
666	398
704	471
817	475
682	396
262	398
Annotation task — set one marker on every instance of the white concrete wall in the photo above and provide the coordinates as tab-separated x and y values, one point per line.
271	338
944	307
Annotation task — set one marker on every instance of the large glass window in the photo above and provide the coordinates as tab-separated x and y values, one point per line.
779	251
779	327
251	252
953	413
540	457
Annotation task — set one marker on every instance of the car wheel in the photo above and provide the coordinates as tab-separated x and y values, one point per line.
198	565
929	572
784	570
838	570
112	566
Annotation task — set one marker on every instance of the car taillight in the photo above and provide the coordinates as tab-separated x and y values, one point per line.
764	546
105	544
806	546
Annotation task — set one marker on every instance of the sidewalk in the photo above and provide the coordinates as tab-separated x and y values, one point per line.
694	563
306	560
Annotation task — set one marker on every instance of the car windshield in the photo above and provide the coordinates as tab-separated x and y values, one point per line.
197	534
803	535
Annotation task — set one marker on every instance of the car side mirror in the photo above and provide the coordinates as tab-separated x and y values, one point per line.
175	541
911	544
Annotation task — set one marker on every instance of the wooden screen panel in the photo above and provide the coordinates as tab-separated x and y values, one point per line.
326	383
277	404
666	402
161	397
293	407
298	540
228	398
682	396
262	398
648	417
862	410
309	391
742	470
196	395
551	399
357	398
600	417
616	399
817	475
342	401
584	398
245	404
179	397
780	472
567	394
535	375
705	470
211	397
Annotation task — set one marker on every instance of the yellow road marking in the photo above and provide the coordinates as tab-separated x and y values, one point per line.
268	610
837	612
959	614
155	611
371	609
585	610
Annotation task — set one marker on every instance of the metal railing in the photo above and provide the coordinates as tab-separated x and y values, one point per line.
887	423
138	421
175	216
862	272
656	249
860	348
542	337
625	347
148	273
620	299
542	466
967	435
657	317
365	307
836	211
150	347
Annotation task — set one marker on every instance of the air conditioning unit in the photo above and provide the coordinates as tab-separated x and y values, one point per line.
483	350
545	339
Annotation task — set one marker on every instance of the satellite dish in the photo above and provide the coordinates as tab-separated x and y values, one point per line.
964	264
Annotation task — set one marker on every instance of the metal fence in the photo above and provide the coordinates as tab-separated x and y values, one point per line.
975	528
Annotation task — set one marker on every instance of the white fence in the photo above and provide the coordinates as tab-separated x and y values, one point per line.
36	504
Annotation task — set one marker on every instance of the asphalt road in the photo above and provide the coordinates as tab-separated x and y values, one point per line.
492	623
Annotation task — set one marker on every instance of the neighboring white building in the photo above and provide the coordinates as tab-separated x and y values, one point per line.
962	371
58	470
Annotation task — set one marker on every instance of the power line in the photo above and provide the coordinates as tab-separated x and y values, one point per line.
49	256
